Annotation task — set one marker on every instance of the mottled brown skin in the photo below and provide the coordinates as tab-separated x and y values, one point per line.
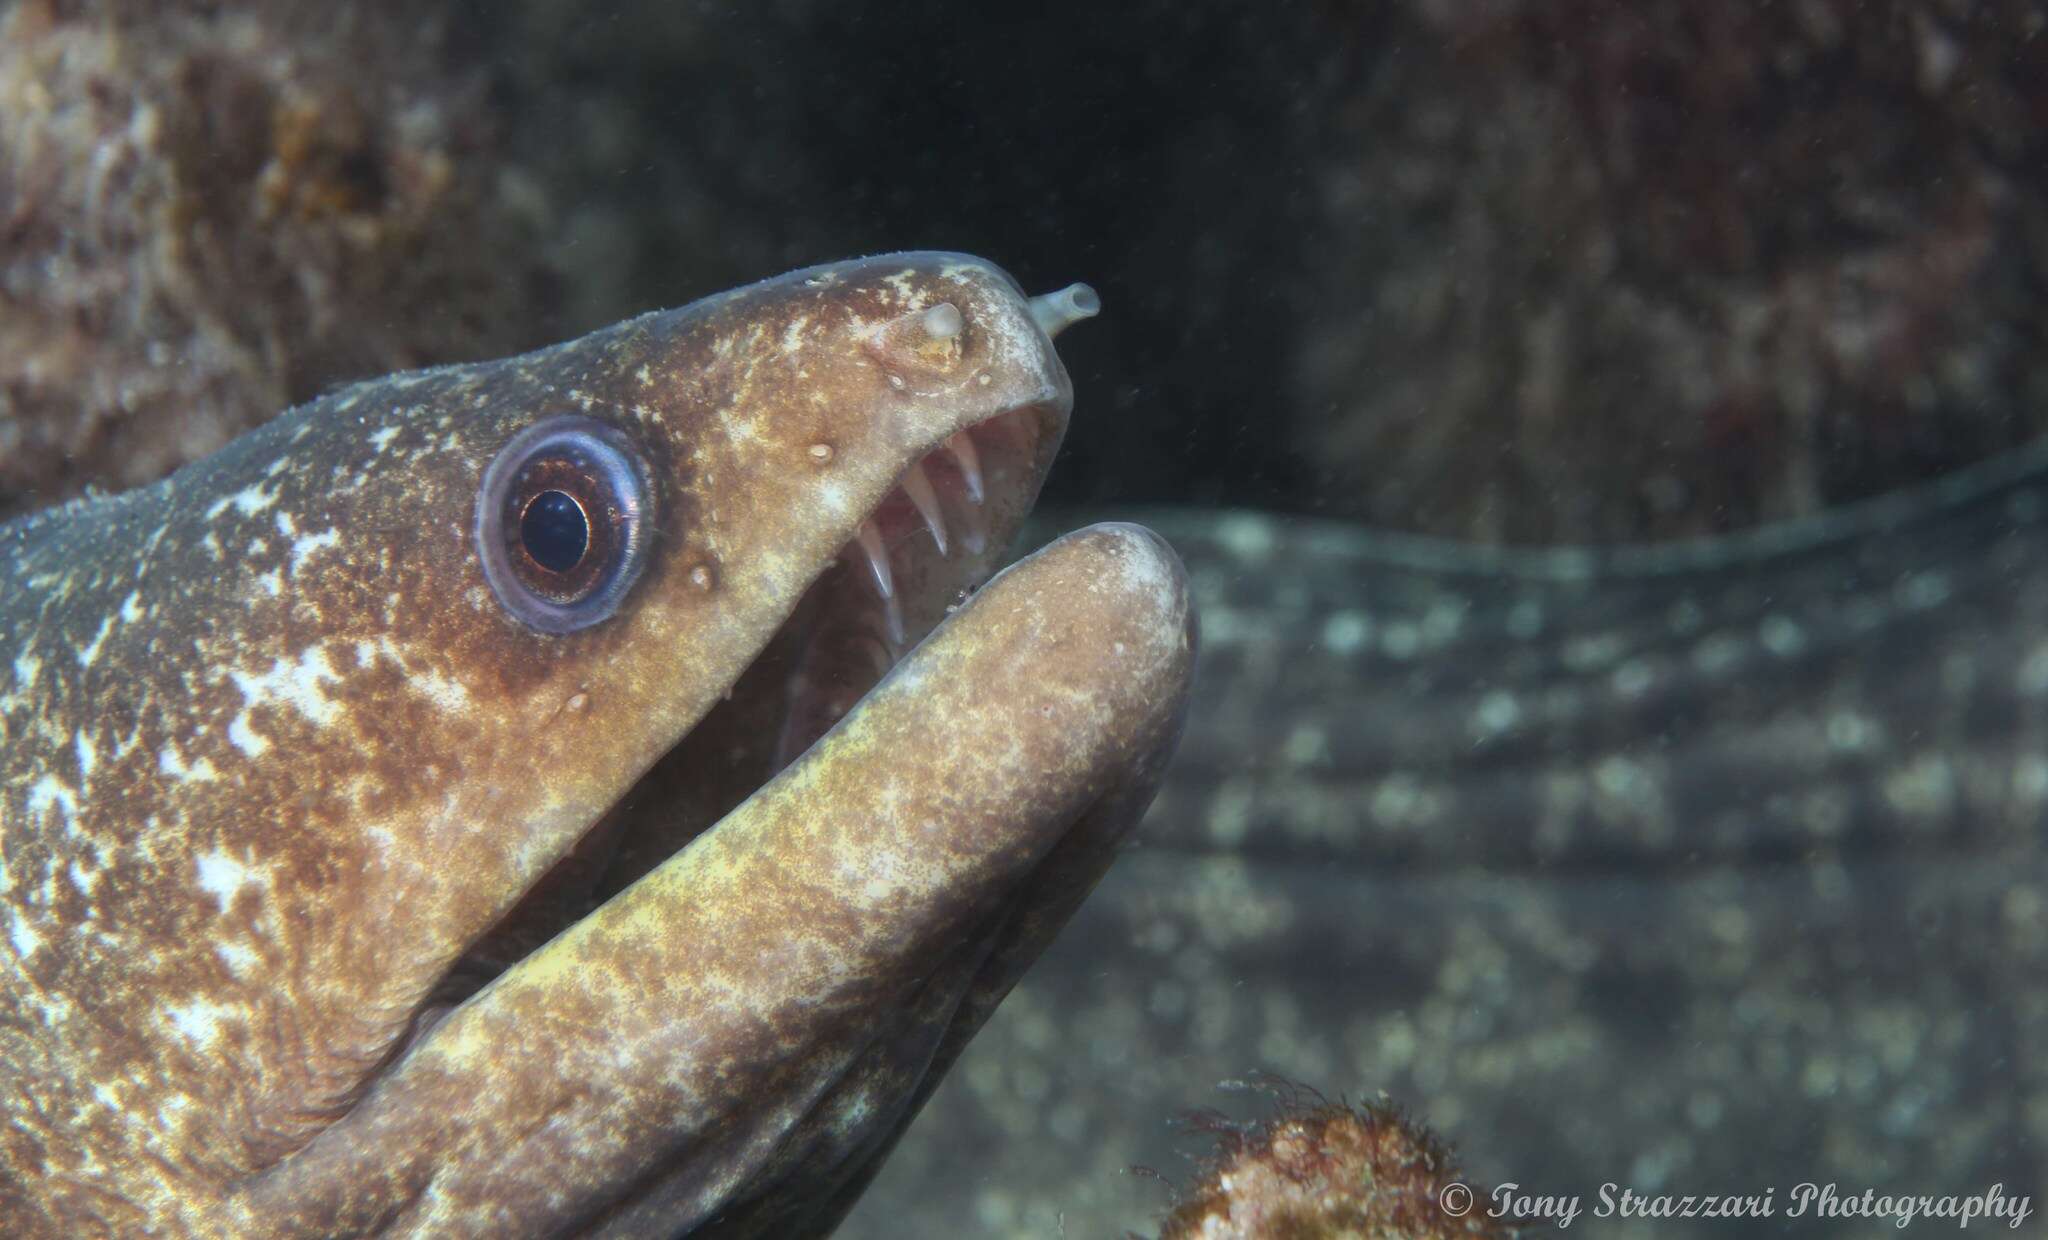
273	757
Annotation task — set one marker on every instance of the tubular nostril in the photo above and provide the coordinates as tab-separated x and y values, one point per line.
1055	312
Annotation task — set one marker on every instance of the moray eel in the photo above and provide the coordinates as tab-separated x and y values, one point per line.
410	821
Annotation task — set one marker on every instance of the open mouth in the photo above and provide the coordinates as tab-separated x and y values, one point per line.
934	538
918	555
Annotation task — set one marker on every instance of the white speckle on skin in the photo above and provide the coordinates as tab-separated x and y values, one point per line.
2030	779
1146	573
1230	812
1308	745
248	501
381	439
1498	711
1924	788
88	755
170	763
24	938
1525	619
48	793
1401	640
1848	731
199	1020
131	607
92	650
1593	652
1782	636
1920	591
1620	778
240	958
1347	632
449	695
1633	678
1442	622
1399	801
223	877
2033	671
246	738
297	683
1245	536
444	692
1718	652
304	546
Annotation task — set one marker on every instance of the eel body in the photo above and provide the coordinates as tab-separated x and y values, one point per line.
1868	682
1682	865
402	828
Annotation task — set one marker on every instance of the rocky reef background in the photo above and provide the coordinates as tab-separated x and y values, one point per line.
1493	269
1490	269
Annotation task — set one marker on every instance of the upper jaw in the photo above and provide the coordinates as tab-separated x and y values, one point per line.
962	436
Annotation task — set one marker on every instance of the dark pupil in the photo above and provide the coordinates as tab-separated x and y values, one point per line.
554	531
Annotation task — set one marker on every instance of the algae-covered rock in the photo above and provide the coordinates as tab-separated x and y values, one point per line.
212	211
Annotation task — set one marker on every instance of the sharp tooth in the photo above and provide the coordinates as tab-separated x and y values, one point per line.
870	540
974	529
961	445
892	614
919	489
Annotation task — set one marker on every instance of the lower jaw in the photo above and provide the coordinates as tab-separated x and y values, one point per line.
924	549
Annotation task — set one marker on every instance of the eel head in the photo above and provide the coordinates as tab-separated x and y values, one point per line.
597	792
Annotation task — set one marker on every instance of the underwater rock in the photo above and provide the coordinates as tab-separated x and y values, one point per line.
1318	1170
210	212
1620	271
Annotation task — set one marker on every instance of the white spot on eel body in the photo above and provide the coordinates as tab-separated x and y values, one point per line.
50	792
92	651
223	877
246	738
305	545
198	1020
248	501
170	763
24	938
238	957
297	682
1246	537
1346	632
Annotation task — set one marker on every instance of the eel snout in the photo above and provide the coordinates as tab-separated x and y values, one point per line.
734	1042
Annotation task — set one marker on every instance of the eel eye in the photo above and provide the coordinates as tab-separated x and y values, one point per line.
560	522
